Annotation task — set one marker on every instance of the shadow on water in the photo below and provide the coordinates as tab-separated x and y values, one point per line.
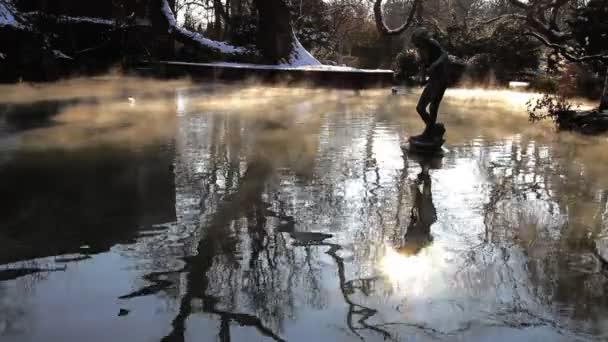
21	117
60	201
423	213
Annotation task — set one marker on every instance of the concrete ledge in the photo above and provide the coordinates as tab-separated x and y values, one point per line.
331	77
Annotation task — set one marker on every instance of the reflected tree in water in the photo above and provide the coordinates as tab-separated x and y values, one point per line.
239	251
543	210
261	229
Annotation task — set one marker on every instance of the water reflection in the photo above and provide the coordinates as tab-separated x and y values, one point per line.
61	201
423	212
297	216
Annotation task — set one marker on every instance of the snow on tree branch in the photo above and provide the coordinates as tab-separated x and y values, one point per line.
7	16
87	20
193	37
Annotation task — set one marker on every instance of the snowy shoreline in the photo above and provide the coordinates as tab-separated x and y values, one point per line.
279	67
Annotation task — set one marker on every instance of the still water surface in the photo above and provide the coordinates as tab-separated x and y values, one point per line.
260	214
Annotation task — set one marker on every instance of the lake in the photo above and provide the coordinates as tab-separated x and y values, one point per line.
140	210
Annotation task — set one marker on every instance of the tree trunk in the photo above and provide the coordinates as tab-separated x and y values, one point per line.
275	33
217	11
604	98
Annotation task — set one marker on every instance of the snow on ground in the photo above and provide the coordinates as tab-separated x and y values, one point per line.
319	67
6	14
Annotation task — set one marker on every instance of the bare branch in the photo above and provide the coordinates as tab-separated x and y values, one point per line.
383	29
567	52
535	14
500	18
516	16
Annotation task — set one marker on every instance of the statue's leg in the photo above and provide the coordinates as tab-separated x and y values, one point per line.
436	97
423	102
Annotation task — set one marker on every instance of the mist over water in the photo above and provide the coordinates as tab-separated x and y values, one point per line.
146	211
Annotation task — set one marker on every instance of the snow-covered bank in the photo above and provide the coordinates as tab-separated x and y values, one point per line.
7	18
308	75
285	67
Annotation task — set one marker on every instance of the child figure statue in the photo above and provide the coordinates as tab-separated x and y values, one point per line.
436	63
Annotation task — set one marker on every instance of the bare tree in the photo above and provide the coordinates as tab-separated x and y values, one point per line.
381	25
553	23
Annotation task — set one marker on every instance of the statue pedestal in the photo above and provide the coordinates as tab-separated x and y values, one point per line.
430	145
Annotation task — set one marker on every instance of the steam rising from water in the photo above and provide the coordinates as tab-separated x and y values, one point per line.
113	110
99	88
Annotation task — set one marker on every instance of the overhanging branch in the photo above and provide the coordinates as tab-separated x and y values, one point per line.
567	52
383	29
515	16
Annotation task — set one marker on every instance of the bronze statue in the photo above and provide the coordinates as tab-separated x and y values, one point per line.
436	66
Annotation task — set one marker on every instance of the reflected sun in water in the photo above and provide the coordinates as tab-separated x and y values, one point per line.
414	274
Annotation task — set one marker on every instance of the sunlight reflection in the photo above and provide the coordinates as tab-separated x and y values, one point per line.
417	273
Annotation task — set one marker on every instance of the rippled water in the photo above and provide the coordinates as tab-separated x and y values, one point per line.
256	213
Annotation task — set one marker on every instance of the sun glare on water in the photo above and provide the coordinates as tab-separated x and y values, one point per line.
418	274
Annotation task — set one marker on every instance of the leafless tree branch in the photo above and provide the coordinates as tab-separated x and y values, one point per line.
383	29
567	51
